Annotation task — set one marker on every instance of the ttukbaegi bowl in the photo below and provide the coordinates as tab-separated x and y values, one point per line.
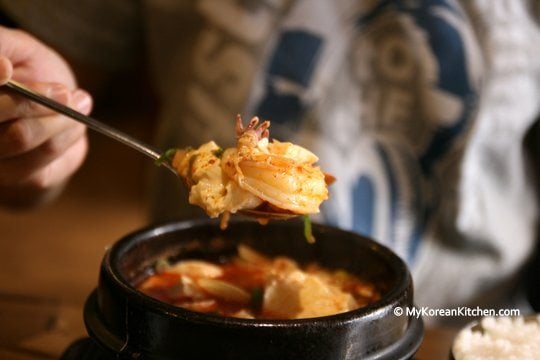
130	324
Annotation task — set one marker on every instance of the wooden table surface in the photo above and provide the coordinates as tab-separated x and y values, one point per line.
49	258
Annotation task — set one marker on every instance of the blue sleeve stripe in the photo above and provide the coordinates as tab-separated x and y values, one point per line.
363	206
393	189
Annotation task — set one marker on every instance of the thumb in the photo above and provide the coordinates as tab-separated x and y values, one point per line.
6	70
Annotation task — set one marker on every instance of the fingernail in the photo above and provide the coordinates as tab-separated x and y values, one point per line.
82	100
58	92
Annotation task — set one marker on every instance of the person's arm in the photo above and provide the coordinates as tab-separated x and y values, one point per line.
39	149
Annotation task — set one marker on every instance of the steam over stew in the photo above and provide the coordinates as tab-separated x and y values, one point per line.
251	285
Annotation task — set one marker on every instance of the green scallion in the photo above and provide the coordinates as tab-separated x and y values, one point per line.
308	232
257	295
218	152
166	157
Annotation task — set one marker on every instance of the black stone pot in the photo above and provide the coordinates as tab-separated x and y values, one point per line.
131	325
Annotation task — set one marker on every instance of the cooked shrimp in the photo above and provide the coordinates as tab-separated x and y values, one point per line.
257	172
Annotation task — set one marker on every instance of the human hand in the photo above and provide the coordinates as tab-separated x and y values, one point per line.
39	149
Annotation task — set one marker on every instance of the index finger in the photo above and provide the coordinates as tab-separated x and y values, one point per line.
13	106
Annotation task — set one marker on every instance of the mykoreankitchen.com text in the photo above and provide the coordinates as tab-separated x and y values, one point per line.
461	311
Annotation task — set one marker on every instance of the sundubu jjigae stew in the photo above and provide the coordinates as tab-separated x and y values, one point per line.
251	285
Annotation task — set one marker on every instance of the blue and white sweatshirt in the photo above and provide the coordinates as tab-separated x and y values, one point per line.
418	108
